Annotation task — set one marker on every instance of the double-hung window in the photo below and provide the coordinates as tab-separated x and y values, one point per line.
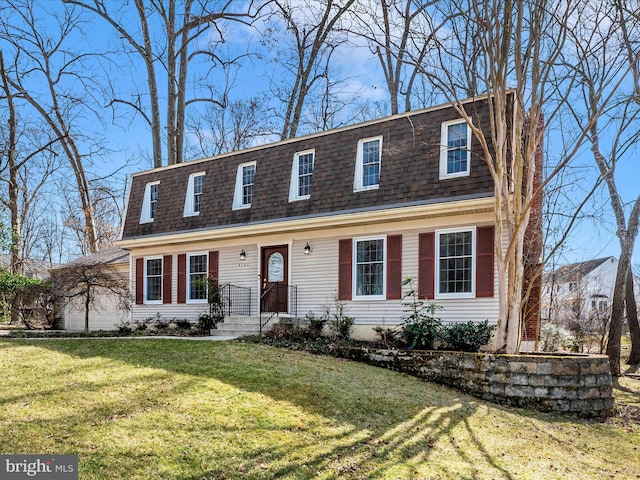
245	177
368	162
153	280
301	175
369	267
455	149
197	277
455	272
193	199
149	202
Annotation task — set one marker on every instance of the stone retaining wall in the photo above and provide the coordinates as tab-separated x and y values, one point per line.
578	384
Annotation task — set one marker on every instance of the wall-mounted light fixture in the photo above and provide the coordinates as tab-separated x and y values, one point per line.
307	249
243	255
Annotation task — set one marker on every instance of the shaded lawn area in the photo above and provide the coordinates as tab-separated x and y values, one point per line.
175	409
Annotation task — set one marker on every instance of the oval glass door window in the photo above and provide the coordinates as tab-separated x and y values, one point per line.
276	267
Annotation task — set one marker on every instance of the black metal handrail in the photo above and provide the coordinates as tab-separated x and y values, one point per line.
235	300
277	299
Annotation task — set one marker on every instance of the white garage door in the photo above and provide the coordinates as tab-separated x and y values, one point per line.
104	314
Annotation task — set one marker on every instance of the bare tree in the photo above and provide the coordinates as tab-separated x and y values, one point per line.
40	65
632	320
24	180
603	62
166	54
88	279
400	33
313	30
519	66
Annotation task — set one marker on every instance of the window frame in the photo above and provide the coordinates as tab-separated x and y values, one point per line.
294	186
189	273
238	196
474	260
145	212
444	149
358	181
354	271
146	299
190	198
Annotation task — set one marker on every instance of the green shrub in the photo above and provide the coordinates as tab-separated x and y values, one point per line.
389	337
124	328
340	324
183	323
314	325
206	322
468	336
419	328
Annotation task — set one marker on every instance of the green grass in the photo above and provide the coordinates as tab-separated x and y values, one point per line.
175	409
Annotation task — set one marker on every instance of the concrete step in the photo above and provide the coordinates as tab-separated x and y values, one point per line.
239	326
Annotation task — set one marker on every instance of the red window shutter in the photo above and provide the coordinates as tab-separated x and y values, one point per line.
139	281
426	264
484	261
167	267
394	267
214	259
182	278
344	269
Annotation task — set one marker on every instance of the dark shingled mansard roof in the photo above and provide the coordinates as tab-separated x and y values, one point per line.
409	175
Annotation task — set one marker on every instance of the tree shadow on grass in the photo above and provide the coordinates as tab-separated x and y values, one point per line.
370	421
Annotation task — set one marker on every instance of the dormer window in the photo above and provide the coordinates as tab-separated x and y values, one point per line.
149	202
301	175
193	198
368	160
245	178
455	149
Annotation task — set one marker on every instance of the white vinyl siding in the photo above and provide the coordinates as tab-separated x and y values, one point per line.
315	275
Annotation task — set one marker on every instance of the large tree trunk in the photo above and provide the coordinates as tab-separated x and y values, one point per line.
632	320
146	52
14	209
617	311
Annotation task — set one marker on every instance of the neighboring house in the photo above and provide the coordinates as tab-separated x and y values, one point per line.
347	214
105	272
38	269
579	292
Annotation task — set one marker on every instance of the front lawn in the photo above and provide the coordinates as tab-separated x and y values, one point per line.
192	410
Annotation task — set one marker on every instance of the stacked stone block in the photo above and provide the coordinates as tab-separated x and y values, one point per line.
577	384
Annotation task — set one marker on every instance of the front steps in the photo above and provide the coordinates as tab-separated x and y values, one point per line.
240	326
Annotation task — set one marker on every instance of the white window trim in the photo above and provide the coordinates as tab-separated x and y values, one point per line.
237	196
471	294
354	270
358	178
153	302
294	185
444	142
189	204
145	213
188	280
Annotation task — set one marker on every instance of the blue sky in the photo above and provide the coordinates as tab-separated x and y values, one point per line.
131	140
